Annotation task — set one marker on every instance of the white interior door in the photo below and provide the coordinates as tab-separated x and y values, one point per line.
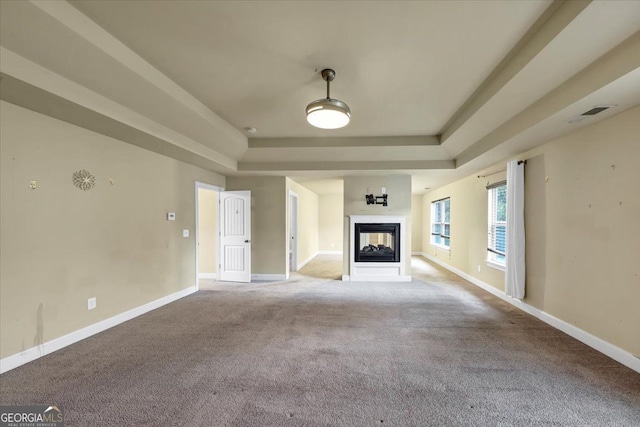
235	236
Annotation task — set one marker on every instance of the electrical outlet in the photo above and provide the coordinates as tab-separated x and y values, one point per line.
479	268
185	232
91	303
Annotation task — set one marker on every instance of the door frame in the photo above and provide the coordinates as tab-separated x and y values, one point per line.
205	186
292	232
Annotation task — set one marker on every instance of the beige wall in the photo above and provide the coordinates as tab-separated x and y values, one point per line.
582	215
307	221
416	224
399	203
330	222
207	231
468	229
61	245
269	245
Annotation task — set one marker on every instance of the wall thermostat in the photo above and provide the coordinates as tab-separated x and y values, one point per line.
171	216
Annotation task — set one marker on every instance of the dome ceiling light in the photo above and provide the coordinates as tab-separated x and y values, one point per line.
327	113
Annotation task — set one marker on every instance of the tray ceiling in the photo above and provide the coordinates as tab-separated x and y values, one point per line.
437	90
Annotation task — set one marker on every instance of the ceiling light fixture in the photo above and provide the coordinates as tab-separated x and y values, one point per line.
327	113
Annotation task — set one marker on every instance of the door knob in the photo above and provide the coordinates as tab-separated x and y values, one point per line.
247	241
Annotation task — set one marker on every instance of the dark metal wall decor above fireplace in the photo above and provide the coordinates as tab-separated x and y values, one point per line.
377	242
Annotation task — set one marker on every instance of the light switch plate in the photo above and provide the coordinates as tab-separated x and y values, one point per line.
91	303
185	232
171	216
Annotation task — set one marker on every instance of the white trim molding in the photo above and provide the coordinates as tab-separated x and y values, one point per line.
495	265
268	277
306	261
208	276
604	347
376	278
441	247
56	344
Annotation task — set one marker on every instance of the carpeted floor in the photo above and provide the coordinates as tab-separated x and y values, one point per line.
319	352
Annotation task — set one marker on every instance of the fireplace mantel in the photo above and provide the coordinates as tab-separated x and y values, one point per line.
376	271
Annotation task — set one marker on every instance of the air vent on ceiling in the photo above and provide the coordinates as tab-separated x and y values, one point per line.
596	109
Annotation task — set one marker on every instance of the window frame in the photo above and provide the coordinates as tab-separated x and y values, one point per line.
493	252
440	204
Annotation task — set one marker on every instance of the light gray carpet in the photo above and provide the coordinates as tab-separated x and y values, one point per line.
319	352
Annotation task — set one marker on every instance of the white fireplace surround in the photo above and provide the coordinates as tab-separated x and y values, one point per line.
376	271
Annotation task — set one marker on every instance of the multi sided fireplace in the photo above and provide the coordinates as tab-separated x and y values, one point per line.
375	254
377	242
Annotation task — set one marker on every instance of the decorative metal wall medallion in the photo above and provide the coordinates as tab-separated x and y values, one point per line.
84	180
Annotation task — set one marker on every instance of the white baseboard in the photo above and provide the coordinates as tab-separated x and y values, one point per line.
348	278
268	277
378	278
208	276
306	261
49	347
614	352
329	252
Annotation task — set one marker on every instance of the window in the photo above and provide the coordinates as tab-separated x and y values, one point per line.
440	226
497	244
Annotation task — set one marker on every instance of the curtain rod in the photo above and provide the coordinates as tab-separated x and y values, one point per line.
491	173
500	170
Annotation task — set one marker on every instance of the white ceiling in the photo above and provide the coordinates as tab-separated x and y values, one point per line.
489	79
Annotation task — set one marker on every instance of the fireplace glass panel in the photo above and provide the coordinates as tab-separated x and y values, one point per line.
377	242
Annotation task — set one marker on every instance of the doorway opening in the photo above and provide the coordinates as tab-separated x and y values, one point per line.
293	232
223	234
207	231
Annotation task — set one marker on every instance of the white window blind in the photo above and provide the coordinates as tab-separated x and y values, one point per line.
440	223
497	241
